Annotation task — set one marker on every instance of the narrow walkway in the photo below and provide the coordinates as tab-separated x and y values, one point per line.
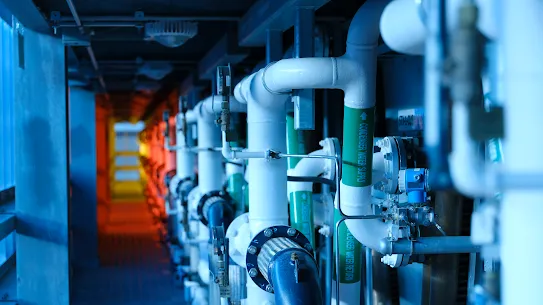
135	268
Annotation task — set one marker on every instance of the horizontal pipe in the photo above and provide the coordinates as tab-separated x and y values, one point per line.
429	245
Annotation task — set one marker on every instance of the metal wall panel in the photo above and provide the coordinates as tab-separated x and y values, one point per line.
7	156
41	149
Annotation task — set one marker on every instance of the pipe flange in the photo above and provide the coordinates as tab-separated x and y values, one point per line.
207	200
331	147
183	187
392	161
256	245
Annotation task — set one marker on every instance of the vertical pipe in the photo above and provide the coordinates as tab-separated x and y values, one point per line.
304	46
266	128
185	158
368	292
521	209
235	183
435	97
210	167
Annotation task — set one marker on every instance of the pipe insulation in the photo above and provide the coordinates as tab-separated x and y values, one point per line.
403	23
521	209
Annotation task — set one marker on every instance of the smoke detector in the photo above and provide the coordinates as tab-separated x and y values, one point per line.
170	33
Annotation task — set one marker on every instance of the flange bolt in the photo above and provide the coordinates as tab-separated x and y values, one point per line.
252	250
291	232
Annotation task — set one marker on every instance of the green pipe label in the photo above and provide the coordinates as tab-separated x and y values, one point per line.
349	254
301	214
358	127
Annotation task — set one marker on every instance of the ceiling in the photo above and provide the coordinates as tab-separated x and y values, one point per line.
140	75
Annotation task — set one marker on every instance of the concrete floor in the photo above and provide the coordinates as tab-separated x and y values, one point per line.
135	267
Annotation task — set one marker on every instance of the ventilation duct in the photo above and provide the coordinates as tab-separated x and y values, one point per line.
170	33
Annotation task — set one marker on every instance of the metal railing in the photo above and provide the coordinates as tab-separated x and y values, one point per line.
7	226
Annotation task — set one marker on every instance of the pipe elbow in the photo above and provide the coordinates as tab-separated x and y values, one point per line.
356	201
308	167
364	28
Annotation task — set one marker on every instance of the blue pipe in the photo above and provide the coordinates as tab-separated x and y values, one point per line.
294	276
219	214
430	245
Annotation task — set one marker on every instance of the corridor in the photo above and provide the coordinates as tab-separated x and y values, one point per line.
135	269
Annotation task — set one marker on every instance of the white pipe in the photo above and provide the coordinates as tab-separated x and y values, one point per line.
210	168
469	172
403	29
185	158
308	167
232	169
521	210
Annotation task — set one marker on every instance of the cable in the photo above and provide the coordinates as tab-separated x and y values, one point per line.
320	180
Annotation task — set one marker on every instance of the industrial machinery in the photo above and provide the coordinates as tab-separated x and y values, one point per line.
400	204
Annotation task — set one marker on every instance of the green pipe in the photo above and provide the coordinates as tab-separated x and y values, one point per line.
301	202
235	189
295	144
358	128
349	254
301	214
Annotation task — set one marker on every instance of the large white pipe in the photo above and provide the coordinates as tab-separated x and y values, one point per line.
185	158
404	31
522	39
210	168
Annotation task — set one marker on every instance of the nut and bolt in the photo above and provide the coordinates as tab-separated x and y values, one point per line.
253	272
269	288
291	232
268	232
252	250
308	247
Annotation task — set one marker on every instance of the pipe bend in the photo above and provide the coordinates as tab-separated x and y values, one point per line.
307	167
356	201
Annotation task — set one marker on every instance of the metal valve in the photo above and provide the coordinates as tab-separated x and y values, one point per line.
220	257
183	108
224	89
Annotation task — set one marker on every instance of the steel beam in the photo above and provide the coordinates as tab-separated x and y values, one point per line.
41	174
226	51
270	14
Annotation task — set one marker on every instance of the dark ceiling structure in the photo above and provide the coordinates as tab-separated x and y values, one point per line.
109	48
